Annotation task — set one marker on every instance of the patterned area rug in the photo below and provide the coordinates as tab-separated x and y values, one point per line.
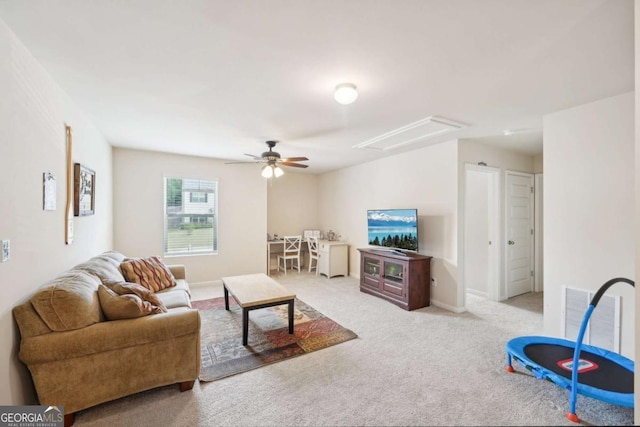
269	340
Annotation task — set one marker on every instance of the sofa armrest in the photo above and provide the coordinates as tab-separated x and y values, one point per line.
110	335
28	320
177	270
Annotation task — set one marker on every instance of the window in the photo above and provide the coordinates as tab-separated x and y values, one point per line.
191	216
198	197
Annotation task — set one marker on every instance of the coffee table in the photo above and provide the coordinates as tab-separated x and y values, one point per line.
254	291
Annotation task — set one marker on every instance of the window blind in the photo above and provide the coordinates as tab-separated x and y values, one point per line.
191	216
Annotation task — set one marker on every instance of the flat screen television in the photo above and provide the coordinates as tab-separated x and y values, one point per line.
393	229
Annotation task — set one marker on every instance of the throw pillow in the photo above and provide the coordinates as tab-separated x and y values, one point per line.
150	272
116	307
125	288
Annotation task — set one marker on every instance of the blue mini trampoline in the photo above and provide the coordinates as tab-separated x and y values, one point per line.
601	374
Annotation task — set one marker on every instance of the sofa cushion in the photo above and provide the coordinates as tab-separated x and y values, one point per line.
128	306
124	288
105	266
149	272
181	284
174	299
69	301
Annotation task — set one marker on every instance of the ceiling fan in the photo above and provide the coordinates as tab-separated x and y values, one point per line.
273	161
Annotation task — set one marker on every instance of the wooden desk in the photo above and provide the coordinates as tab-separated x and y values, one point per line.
275	247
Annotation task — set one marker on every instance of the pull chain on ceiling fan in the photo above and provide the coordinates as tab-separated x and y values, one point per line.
273	161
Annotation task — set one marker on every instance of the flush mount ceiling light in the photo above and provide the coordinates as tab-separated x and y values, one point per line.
345	93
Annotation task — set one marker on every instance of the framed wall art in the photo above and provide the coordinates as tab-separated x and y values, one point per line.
48	191
84	186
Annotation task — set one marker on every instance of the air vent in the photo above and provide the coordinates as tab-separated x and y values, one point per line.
604	326
411	133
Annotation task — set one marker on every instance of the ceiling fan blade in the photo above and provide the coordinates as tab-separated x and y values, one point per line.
247	162
295	165
251	155
294	159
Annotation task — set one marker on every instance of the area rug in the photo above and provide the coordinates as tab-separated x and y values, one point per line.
269	340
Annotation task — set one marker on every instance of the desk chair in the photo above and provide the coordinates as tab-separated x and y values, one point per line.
291	252
312	243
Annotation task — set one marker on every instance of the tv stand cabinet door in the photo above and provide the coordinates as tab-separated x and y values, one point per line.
370	271
394	282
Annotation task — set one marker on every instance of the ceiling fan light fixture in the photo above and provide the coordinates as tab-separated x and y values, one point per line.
273	160
267	171
345	93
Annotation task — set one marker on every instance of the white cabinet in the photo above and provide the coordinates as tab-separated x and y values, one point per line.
333	258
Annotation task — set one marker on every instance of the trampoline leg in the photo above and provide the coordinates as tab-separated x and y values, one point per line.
573	417
509	366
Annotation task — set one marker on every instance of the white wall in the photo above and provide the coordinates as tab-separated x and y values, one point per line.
292	203
476	233
538	163
474	152
637	194
588	205
426	179
139	212
33	114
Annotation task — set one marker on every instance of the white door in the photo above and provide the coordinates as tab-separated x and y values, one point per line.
519	233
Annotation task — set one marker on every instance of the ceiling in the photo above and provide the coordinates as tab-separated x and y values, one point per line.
218	78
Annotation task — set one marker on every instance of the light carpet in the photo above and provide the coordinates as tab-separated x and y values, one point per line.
421	368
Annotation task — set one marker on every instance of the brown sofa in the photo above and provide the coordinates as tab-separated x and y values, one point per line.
79	359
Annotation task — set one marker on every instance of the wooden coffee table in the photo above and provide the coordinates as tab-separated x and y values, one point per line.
254	291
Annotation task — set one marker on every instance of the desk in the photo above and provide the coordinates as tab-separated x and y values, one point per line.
333	258
275	247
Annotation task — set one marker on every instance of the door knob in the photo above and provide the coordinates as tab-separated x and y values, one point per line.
511	242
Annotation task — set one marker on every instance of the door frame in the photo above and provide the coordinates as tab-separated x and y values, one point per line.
494	201
531	176
538	226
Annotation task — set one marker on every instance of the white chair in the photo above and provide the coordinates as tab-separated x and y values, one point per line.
312	243
291	252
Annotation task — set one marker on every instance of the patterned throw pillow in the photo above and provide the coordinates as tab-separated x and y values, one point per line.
125	288
116	307
148	272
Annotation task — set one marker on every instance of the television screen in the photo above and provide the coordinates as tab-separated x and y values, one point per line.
393	228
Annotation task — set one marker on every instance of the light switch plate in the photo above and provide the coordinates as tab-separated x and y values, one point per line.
6	250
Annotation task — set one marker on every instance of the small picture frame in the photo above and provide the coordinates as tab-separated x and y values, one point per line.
84	185
48	191
311	233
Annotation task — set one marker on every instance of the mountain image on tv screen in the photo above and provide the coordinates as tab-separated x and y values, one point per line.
393	228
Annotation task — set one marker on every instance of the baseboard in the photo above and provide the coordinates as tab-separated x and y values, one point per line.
478	293
208	283
448	307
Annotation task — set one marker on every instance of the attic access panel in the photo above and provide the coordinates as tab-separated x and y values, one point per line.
411	133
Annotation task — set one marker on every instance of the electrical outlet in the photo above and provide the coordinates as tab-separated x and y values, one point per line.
434	282
6	250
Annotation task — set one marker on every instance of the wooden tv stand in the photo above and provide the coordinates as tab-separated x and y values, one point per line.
403	280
